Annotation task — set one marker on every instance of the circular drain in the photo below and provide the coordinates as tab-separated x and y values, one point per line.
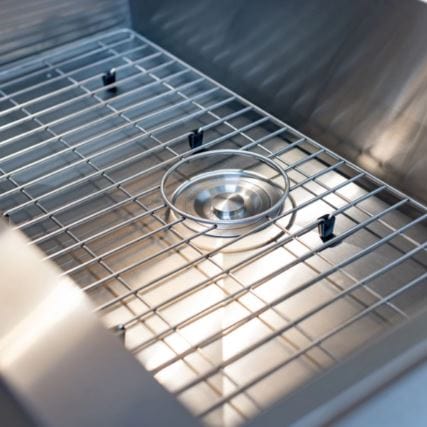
229	200
242	239
228	205
225	193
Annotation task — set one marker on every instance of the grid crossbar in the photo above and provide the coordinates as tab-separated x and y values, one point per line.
227	332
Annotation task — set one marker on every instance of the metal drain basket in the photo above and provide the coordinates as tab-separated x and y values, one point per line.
226	190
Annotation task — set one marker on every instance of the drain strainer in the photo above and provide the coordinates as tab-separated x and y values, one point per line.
225	193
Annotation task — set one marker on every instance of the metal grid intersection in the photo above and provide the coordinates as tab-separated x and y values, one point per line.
30	27
80	168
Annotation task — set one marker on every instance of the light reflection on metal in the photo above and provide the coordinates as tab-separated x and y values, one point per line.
351	74
40	321
63	367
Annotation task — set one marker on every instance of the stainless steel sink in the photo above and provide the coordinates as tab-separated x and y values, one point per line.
227	332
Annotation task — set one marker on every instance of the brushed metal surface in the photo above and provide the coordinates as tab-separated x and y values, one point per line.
11	411
351	74
28	27
61	364
226	333
382	385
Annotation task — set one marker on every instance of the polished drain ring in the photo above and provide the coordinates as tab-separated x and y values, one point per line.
225	192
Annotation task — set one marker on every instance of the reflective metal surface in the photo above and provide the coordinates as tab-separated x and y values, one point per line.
382	385
28	27
231	195
226	333
62	366
351	74
12	411
229	189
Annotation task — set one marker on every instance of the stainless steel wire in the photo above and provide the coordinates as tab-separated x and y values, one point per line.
80	170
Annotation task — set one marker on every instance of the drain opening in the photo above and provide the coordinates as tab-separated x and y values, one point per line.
227	193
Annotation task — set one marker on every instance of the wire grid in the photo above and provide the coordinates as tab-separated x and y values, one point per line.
228	334
32	26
